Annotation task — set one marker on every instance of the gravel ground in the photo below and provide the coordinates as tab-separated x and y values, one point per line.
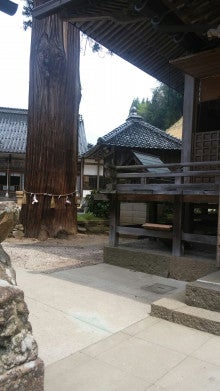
76	251
56	254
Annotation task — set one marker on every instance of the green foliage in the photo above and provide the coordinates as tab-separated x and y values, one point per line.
97	207
87	217
164	108
27	12
166	215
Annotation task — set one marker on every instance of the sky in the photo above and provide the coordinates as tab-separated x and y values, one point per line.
109	84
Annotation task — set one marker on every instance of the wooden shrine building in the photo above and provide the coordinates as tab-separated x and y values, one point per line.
177	42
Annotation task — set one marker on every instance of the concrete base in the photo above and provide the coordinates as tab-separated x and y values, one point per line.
158	263
175	310
29	376
205	292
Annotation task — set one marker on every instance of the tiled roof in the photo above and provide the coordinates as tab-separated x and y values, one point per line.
13	131
136	133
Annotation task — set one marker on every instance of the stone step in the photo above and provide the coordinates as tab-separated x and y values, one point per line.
204	292
175	310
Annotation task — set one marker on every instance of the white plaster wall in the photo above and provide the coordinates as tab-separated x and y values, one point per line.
92	169
132	213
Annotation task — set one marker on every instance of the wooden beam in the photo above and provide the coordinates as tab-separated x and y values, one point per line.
170	174
200	198
190	188
49	7
182	28
145	197
169	165
196	238
193	198
200	65
144	232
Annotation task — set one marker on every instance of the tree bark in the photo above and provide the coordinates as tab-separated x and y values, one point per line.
51	152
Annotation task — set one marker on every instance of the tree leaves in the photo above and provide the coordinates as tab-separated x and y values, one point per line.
164	108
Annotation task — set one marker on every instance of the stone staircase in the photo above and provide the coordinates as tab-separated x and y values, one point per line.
198	306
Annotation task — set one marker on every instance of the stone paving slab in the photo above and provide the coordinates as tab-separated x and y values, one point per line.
132	363
192	374
95	333
75	308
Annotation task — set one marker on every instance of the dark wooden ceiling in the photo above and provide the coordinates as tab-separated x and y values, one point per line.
147	33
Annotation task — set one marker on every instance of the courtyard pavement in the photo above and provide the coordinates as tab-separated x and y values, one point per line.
94	332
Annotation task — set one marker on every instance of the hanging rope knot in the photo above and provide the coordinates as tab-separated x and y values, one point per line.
35	200
52	196
67	201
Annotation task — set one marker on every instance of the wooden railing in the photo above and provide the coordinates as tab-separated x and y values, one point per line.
179	180
174	179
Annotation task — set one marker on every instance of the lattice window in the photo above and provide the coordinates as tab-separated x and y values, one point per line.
206	147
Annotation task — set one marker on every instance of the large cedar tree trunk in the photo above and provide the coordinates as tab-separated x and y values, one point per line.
51	154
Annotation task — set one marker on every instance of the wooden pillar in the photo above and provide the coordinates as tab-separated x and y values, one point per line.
114	221
177	226
189	111
189	121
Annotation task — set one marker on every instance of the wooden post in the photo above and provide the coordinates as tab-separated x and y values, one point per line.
189	106
114	221
177	226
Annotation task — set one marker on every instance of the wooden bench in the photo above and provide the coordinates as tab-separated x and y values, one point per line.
158	227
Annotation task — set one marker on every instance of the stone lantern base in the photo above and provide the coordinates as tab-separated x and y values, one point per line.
20	367
29	376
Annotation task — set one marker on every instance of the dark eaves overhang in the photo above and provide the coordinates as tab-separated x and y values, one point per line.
8	7
148	34
200	65
52	6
